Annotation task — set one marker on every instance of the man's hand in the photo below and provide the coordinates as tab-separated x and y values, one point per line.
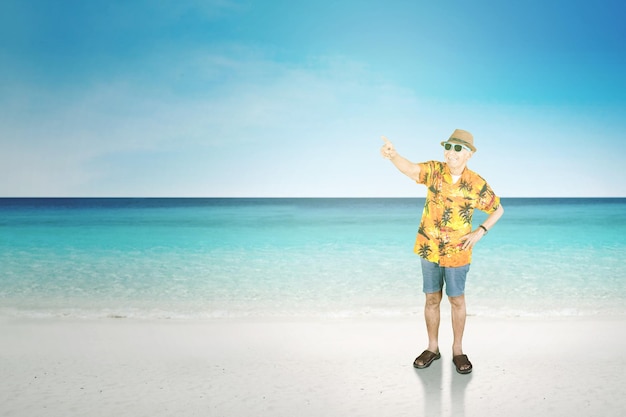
387	151
472	238
405	166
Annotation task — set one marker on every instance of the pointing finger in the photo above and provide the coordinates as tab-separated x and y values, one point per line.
385	139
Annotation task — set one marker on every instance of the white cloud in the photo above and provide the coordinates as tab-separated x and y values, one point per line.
239	124
53	140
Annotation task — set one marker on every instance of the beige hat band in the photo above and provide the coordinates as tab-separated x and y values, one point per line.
461	141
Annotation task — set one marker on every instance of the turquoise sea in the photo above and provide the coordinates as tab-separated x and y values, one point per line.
213	258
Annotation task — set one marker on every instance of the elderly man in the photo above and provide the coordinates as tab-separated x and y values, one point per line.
445	237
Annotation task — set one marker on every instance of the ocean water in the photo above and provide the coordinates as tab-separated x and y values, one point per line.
213	258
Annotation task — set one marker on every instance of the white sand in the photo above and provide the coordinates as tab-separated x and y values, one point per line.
123	367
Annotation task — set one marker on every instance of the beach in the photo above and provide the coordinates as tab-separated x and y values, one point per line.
309	367
302	307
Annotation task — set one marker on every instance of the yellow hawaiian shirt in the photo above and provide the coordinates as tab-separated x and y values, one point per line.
448	212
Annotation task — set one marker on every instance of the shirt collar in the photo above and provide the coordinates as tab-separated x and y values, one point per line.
447	175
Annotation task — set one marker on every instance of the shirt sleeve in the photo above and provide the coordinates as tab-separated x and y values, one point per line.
488	201
426	172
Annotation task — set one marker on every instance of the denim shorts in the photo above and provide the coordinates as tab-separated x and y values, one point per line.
435	275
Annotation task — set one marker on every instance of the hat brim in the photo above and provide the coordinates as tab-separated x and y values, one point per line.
460	142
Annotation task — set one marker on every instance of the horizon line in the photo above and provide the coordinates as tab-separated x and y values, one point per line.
288	197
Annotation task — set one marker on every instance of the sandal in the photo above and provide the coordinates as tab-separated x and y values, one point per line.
426	358
462	363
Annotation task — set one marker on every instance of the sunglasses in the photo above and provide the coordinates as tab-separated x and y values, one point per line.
457	148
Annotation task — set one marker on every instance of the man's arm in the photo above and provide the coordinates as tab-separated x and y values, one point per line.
493	218
472	238
405	166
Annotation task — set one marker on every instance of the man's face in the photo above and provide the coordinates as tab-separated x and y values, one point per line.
456	159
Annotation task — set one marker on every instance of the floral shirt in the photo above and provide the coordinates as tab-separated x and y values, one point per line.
448	212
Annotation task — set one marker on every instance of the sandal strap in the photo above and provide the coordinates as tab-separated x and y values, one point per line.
427	355
461	360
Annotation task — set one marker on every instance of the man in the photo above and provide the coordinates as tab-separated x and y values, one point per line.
445	237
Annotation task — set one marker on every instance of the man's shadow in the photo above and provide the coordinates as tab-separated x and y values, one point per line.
458	385
433	386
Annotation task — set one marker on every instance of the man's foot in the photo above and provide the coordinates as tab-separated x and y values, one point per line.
463	364
425	359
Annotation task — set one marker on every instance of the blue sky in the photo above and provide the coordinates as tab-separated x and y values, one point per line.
286	98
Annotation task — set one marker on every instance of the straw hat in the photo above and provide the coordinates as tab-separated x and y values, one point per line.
462	137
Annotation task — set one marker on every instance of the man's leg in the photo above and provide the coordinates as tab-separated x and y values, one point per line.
433	317
432	286
458	324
